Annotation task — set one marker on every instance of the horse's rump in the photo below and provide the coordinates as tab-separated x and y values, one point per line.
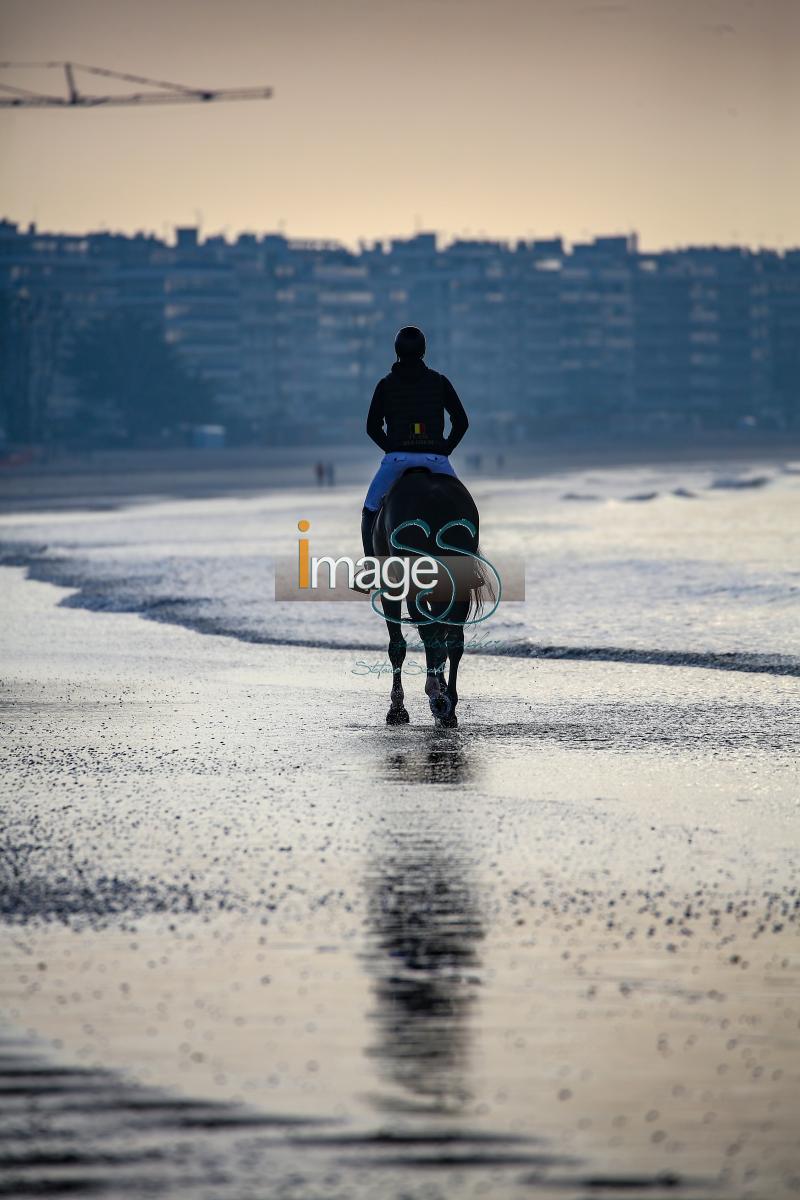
437	500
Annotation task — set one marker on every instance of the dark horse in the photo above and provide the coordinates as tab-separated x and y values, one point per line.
420	496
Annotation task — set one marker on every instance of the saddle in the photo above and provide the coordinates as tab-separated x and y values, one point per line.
408	471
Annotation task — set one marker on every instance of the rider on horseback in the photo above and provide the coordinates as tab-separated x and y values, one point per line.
406	419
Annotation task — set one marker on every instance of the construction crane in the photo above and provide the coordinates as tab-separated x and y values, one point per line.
171	93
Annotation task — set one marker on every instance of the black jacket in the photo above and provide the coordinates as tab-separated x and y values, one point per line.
412	400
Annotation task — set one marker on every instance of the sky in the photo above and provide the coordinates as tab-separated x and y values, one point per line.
507	119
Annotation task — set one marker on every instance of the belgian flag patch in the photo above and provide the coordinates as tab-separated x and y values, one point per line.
418	428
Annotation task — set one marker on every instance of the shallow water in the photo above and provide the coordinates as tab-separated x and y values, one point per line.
652	564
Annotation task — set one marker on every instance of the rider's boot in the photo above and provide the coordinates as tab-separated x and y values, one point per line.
367	519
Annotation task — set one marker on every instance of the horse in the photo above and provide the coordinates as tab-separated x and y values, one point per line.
421	497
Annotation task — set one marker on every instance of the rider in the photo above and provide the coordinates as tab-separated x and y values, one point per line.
411	402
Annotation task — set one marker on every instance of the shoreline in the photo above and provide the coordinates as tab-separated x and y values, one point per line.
737	480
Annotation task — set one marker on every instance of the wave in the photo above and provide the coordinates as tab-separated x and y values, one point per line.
753	662
757	481
748	662
127	595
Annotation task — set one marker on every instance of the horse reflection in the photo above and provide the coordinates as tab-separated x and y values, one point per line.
435	758
424	927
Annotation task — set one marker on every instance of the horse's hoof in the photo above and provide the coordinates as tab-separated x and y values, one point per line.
449	722
397	716
441	706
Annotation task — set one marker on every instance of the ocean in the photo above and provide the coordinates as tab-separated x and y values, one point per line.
673	565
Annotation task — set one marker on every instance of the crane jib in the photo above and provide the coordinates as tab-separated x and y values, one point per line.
13	96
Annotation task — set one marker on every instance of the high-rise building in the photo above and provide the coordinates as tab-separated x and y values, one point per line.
292	335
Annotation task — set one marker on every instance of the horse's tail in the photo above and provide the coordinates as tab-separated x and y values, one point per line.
482	587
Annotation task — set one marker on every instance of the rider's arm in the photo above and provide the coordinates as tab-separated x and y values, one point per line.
375	421
459	424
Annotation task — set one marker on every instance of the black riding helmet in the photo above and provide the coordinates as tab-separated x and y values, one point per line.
410	343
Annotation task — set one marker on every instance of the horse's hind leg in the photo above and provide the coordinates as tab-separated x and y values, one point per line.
455	650
397	714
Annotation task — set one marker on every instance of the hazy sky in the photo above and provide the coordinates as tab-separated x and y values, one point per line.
504	118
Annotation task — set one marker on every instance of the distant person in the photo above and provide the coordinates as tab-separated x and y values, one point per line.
330	474
406	419
501	461
319	470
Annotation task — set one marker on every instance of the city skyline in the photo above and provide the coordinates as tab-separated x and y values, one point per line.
536	334
519	120
168	235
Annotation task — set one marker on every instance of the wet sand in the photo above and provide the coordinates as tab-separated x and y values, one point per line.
258	944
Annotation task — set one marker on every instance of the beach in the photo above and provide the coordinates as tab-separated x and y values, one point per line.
104	478
257	943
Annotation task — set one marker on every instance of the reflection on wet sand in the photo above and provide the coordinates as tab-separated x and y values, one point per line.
434	756
424	930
